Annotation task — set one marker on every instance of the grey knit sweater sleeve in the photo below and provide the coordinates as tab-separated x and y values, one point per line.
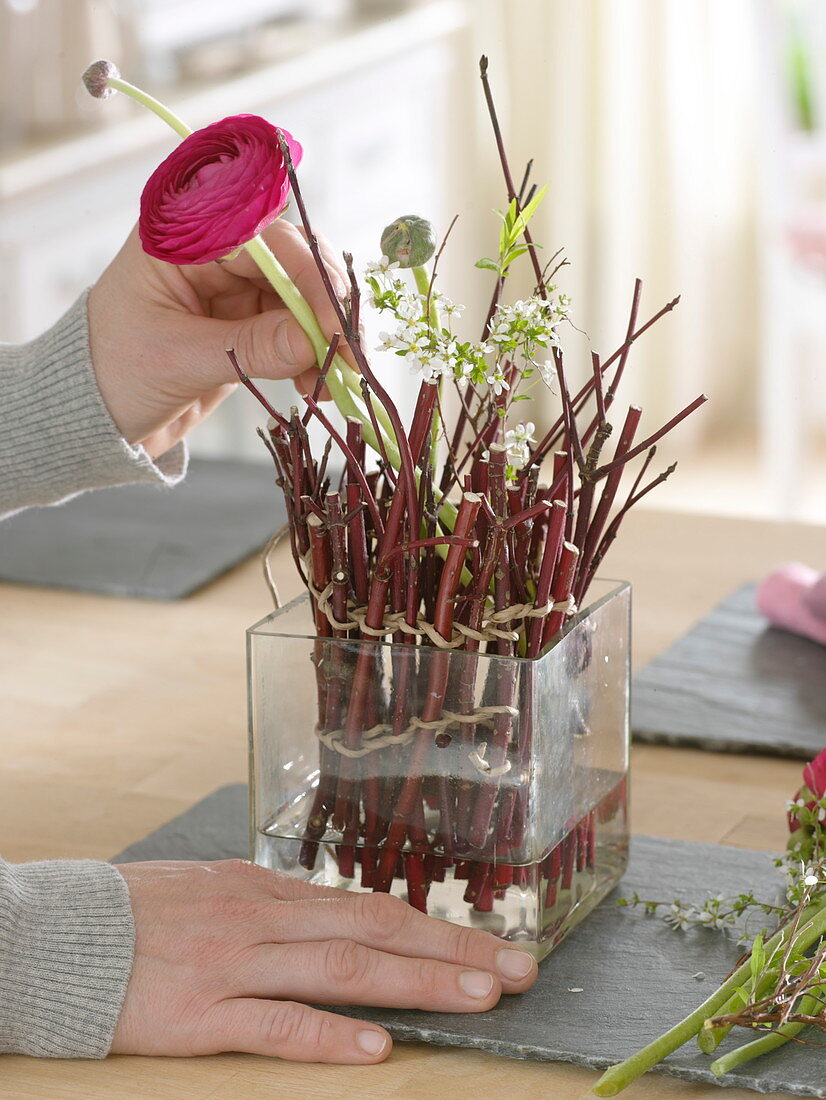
66	928
56	435
66	945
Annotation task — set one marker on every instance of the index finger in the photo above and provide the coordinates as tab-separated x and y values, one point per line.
390	924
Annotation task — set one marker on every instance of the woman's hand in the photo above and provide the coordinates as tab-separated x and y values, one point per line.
228	953
159	333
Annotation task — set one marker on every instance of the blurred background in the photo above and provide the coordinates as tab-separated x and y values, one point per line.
684	142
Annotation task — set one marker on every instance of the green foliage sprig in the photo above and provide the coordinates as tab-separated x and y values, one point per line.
512	243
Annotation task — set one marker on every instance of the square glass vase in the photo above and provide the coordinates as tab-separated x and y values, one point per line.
488	791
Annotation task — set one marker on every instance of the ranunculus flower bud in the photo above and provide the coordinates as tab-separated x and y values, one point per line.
814	779
217	190
409	240
97	77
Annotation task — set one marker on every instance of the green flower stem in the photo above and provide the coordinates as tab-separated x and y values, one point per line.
754	1049
709	1038
423	284
153	104
809	1006
341	378
812	927
434	436
352	381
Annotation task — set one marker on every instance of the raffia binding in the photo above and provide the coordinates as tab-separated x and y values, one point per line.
396	621
379	736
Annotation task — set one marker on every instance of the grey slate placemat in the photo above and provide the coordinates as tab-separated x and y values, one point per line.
143	540
637	976
735	684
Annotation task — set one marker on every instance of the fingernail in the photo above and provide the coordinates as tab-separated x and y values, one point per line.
476	983
371	1042
514	964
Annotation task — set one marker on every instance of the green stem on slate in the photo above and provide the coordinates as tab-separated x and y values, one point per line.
709	1038
812	927
809	1006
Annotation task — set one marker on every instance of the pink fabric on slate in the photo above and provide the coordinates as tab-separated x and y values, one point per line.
793	597
815	598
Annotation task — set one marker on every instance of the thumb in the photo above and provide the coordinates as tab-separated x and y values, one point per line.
271	344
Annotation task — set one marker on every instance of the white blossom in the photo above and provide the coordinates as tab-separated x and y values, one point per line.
679	916
497	382
428	365
447	306
462	373
517	443
711	918
547	371
380	267
410	307
810	876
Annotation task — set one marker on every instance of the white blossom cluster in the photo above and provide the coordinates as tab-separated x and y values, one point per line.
803	866
431	349
716	912
710	914
526	326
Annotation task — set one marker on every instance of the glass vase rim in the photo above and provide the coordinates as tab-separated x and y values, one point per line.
260	628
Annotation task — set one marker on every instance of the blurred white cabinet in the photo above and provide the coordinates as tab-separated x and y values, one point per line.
381	115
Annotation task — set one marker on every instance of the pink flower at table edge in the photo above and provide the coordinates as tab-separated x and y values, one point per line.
814	785
216	190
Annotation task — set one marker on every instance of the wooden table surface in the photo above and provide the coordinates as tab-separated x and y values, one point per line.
118	714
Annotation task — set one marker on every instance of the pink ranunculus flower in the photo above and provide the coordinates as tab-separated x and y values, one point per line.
814	788
218	189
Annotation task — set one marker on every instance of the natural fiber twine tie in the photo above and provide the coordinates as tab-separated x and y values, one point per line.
381	735
396	621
